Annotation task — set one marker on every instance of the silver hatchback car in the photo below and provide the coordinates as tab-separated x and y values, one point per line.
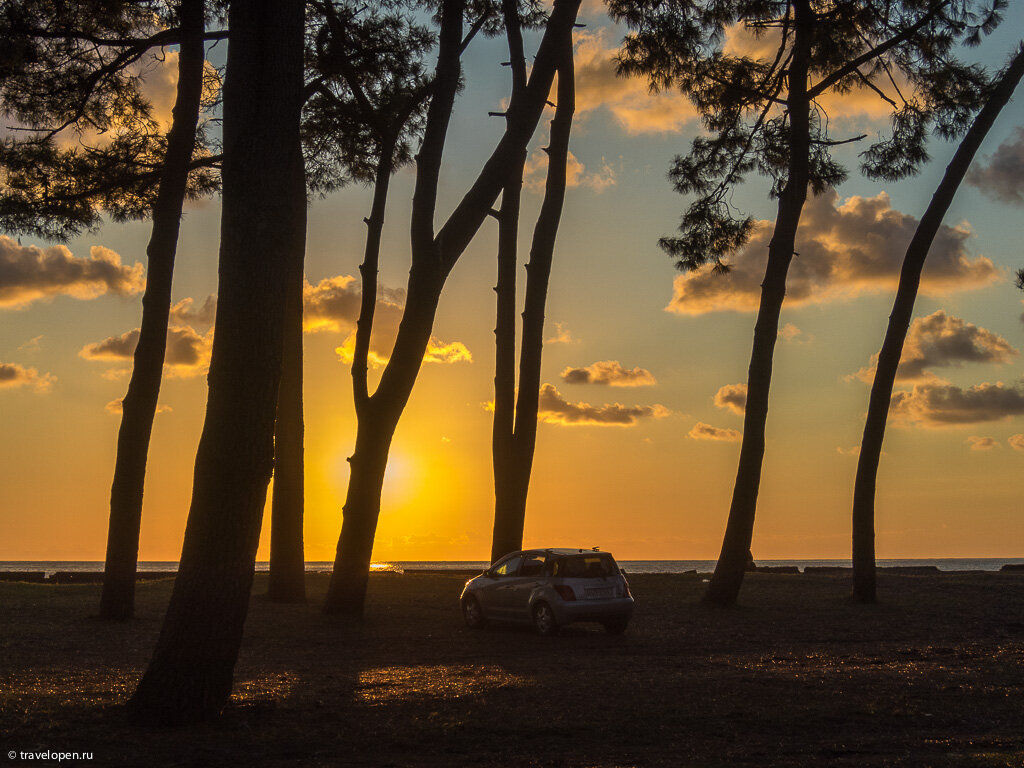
550	588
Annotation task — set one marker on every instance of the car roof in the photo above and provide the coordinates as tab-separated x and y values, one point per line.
565	551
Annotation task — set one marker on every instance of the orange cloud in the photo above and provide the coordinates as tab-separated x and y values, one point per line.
628	100
732	397
13	376
942	405
845	250
29	273
702	431
982	443
610	372
187	354
576	175
555	409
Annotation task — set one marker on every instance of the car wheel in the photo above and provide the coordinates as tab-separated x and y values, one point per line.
616	627
544	619
473	613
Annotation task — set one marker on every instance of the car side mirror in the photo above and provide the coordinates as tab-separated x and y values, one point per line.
488	573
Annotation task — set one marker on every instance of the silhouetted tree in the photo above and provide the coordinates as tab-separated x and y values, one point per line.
72	72
764	116
515	433
434	254
899	322
262	240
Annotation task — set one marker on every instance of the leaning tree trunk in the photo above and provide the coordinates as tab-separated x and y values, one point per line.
510	516
139	405
434	256
864	588
287	577
732	562
262	234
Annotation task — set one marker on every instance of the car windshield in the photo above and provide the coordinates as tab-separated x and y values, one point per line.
585	566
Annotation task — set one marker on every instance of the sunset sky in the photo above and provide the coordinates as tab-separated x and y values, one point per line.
643	368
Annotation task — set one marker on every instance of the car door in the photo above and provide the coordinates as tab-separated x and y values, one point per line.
495	593
530	576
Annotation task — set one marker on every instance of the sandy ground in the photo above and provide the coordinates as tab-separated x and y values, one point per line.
795	676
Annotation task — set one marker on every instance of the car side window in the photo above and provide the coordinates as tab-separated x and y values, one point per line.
508	567
532	566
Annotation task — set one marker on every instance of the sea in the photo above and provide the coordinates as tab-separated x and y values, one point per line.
49	567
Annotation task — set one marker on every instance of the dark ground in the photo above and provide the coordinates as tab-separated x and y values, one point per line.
796	676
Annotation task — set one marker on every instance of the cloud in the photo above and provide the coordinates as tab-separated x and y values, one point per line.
628	100
733	397
943	341
187	354
854	451
29	273
1001	176
790	333
555	409
982	443
13	376
1016	442
845	250
702	431
939	404
185	312
562	335
333	305
114	406
576	175
610	372
32	345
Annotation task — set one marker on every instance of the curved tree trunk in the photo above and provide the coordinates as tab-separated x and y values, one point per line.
864	588
140	402
287	578
510	517
434	256
262	234
732	562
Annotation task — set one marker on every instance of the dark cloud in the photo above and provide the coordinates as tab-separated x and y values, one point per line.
13	375
1001	176
702	431
845	250
188	352
555	409
733	397
938	404
981	443
28	273
943	341
610	372
185	312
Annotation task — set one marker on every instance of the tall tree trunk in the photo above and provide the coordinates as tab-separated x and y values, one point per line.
139	405
732	562
503	426
510	517
287	578
262	234
864	589
434	256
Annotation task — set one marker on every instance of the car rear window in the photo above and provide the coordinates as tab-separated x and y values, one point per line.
585	566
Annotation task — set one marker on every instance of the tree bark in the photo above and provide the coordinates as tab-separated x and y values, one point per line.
510	512
864	583
731	566
139	405
434	256
262	233
287	577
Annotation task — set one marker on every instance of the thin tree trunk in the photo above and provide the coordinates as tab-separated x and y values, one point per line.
864	587
434	256
287	577
503	426
732	562
140	402
509	519
262	234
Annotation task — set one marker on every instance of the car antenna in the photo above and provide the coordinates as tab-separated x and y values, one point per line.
595	549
